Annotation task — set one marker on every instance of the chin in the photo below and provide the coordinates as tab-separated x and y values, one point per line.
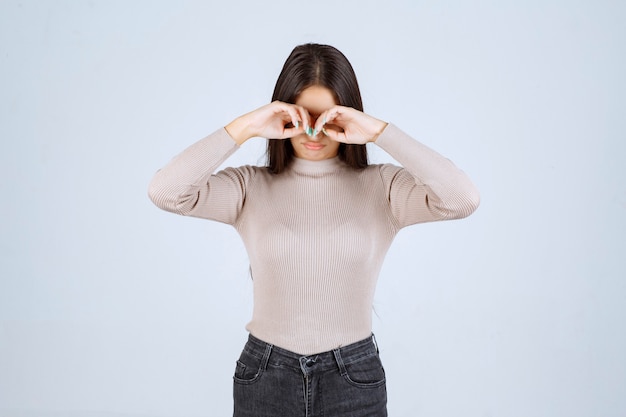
314	156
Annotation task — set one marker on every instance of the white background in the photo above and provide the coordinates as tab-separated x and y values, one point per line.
110	307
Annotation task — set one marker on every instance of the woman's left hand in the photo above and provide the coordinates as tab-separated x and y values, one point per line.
348	125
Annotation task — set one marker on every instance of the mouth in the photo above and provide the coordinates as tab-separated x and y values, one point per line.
313	146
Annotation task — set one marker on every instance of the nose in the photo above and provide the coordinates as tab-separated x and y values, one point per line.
316	136
313	134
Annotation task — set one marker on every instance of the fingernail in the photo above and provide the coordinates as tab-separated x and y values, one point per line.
297	124
309	131
324	131
315	132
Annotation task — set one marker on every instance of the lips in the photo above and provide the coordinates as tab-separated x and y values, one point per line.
313	146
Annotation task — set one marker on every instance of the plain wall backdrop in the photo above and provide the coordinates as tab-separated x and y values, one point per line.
110	307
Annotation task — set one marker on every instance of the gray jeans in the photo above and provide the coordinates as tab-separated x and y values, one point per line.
274	382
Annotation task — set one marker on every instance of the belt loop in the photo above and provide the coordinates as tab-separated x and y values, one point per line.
375	343
342	366
266	356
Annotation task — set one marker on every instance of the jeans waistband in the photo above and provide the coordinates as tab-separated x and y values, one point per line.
336	358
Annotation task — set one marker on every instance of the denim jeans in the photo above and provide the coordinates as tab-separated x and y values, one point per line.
274	382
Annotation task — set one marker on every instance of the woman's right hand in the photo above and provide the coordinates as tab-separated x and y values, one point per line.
276	120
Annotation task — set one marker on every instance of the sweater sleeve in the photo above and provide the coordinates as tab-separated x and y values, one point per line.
429	187
188	186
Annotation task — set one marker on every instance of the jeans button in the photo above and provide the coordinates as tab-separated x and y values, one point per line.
309	362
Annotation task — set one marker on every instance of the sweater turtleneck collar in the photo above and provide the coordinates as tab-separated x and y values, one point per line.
316	168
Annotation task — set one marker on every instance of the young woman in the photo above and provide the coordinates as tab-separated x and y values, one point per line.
317	222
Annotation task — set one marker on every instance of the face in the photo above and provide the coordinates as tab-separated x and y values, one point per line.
315	100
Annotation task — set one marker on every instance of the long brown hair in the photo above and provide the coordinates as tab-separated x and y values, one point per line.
323	65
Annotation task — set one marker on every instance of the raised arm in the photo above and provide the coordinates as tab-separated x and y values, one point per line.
428	188
436	189
188	186
185	181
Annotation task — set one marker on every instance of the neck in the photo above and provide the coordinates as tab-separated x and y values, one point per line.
324	166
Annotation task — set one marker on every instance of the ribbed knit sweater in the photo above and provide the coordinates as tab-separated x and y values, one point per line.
317	233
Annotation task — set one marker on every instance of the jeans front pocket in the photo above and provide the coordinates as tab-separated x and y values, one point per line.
367	372
247	369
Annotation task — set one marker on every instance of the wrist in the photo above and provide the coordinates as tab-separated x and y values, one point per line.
238	130
381	126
